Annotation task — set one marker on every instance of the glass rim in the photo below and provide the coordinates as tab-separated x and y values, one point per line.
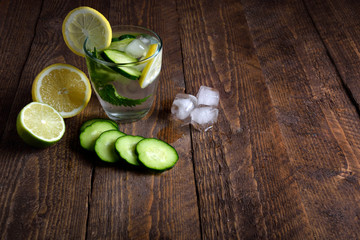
158	50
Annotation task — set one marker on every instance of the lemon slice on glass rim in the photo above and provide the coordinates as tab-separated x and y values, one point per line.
64	87
152	68
86	23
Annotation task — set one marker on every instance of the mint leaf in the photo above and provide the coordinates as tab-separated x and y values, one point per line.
94	53
109	94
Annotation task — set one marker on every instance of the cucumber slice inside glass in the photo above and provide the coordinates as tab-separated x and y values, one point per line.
120	44
122	37
116	56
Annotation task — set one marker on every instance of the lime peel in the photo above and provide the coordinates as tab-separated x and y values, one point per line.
40	125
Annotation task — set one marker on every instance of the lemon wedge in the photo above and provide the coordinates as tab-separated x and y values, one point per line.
40	125
86	23
64	87
152	68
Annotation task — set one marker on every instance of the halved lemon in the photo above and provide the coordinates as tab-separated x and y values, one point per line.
86	23
152	68
64	87
40	125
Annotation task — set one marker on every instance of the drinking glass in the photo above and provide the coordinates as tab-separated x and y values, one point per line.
126	90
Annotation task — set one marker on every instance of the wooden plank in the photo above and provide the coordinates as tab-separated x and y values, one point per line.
43	193
15	41
244	176
318	122
338	25
131	204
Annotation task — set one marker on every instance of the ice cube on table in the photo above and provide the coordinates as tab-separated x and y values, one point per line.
136	48
203	118
183	105
208	96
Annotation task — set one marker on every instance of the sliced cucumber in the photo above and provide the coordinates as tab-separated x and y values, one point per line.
120	44
121	57
126	36
125	146
91	121
117	56
105	145
156	154
122	37
128	72
89	135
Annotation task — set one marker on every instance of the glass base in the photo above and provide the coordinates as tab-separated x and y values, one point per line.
126	117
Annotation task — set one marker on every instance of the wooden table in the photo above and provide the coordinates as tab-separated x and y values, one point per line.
283	161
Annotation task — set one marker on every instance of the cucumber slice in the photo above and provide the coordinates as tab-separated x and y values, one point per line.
156	154
89	135
121	57
126	36
122	37
125	146
117	56
105	145
128	72
120	44
91	121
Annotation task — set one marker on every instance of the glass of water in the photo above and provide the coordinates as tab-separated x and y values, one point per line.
126	74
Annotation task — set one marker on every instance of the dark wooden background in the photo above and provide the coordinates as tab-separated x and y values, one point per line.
283	162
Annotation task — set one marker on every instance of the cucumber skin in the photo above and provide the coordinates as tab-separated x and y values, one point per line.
123	70
126	36
122	37
138	152
122	155
115	157
91	121
84	135
120	44
111	54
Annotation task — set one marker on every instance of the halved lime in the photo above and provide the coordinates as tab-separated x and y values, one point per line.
40	125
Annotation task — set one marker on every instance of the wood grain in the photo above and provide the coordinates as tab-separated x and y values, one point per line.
44	193
15	41
244	177
337	23
281	163
317	120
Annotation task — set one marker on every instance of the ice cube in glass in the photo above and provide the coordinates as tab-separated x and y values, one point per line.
144	39
136	48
